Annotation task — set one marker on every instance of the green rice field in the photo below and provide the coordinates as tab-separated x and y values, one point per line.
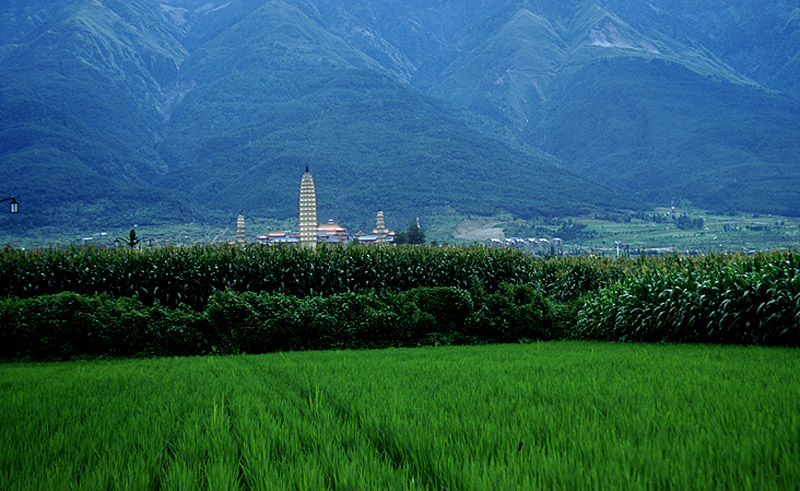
556	415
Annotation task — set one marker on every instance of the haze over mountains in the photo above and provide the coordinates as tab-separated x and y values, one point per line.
143	111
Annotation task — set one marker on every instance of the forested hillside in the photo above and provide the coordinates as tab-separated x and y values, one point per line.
151	111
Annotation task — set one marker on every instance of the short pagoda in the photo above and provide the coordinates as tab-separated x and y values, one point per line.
240	240
380	229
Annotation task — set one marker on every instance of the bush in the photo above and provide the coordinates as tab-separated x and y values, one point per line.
512	313
257	323
61	326
349	320
174	332
57	326
565	318
432	315
251	322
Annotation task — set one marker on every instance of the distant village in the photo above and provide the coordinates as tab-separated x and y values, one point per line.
541	245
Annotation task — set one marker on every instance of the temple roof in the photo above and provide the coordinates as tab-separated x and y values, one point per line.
331	226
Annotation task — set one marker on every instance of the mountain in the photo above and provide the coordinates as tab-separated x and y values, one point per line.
191	110
79	105
283	91
758	39
622	94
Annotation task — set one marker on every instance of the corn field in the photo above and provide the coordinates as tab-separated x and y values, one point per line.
174	275
717	298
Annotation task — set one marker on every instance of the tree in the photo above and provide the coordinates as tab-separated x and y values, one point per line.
412	235
684	222
132	241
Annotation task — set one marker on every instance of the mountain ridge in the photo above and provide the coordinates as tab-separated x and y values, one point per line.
596	99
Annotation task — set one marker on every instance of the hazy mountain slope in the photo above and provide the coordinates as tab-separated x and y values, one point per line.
226	101
760	40
662	132
621	101
157	109
80	89
278	90
375	145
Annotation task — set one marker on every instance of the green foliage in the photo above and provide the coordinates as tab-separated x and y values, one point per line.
512	313
262	299
435	313
412	235
565	279
559	415
69	325
723	299
65	325
684	222
257	323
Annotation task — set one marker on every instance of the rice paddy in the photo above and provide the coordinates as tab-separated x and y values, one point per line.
556	415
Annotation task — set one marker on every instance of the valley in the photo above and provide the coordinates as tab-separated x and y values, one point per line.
603	234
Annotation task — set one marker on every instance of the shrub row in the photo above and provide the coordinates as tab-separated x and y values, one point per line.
68	324
717	299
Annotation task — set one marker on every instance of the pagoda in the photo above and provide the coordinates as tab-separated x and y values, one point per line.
380	229
240	240
308	210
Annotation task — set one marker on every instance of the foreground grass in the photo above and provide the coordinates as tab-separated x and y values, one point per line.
547	415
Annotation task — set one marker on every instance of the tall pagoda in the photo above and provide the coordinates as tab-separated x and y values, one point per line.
308	210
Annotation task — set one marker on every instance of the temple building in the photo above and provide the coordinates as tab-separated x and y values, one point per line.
332	233
308	210
380	234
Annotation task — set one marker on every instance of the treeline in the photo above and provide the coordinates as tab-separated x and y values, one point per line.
90	302
683	222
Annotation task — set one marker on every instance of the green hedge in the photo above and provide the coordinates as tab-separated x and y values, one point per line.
67	325
388	297
512	313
